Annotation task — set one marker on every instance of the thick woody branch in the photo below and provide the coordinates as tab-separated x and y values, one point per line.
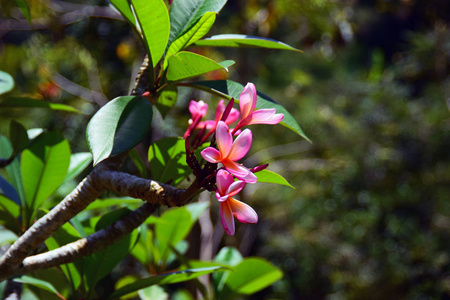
90	244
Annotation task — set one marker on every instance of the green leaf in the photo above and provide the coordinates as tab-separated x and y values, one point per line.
200	28
167	99
185	64
64	235
78	162
154	292
138	162
8	190
230	89
18	136
9	213
167	159
42	284
153	18
44	165
253	275
23	6
23	102
175	224
100	264
166	278
118	126
229	256
125	10
184	14
111	202
272	177
6	82
241	40
196	209
7	236
13	169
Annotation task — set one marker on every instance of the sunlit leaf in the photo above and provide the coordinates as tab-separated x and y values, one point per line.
166	278
184	65
9	213
6	82
118	126
253	275
175	225
23	102
230	89
198	30
125	10
7	236
272	177
44	165
229	256
241	40
167	160
184	14
153	18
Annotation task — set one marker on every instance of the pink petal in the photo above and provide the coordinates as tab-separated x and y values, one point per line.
212	155
221	198
239	171
247	100
219	110
243	212
224	179
241	145
233	116
235	188
226	216
207	124
198	108
223	138
265	116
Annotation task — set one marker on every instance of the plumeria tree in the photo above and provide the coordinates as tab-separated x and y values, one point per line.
76	238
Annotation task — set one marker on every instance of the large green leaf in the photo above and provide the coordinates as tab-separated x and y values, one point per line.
175	224
6	82
184	14
9	213
42	284
153	18
200	28
272	177
118	126
185	64
24	102
125	10
241	40
252	275
229	256
44	165
100	264
167	160
166	278
231	89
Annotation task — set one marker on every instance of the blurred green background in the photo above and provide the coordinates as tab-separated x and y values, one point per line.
370	214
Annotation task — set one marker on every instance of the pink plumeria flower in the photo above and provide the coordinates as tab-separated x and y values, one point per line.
230	152
227	187
198	111
247	104
212	124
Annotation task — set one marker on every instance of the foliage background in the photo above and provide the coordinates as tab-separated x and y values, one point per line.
370	215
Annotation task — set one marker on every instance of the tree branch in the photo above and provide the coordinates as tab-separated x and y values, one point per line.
90	244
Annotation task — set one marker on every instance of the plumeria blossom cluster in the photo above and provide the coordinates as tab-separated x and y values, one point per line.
232	176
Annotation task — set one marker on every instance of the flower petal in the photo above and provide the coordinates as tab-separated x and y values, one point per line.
223	179
265	116
241	145
235	188
212	155
221	198
239	171
247	100
233	116
243	212
223	138
226	216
